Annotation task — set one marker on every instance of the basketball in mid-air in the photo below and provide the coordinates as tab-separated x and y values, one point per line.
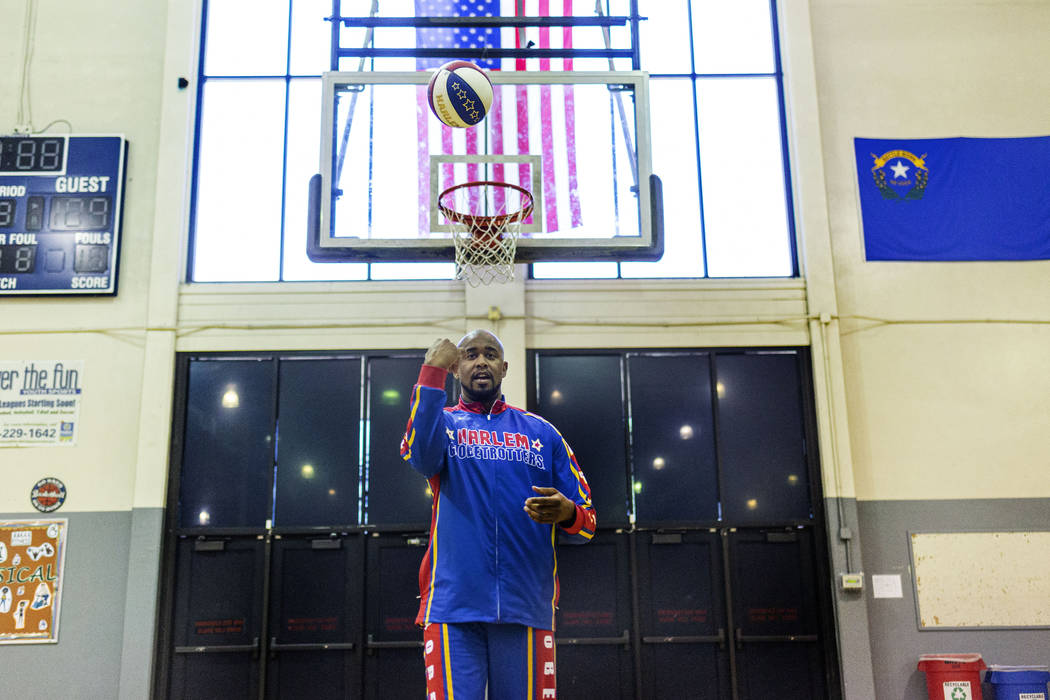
460	93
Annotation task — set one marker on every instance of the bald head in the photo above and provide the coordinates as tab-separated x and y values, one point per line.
478	333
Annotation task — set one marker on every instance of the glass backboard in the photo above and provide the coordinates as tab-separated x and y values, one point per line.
579	142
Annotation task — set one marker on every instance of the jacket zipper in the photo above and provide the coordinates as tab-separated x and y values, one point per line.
498	618
488	417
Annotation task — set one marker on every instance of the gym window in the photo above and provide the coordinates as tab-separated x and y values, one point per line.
718	132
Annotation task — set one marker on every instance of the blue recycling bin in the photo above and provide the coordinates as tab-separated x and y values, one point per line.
1018	684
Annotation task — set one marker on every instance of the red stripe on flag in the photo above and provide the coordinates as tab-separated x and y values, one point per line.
423	158
471	136
570	125
496	135
550	195
447	172
521	96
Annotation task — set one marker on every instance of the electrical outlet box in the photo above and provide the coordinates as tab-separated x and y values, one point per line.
852	582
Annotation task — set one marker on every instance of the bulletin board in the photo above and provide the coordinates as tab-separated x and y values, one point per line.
981	579
32	553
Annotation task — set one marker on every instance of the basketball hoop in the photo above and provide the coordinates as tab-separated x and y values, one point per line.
484	233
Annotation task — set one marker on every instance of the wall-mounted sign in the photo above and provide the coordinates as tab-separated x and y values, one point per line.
48	495
61	199
40	402
32	553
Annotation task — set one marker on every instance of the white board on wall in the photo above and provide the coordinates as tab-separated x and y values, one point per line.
981	579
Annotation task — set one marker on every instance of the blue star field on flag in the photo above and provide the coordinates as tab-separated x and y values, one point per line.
465	37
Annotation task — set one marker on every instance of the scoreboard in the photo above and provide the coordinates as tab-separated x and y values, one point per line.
61	204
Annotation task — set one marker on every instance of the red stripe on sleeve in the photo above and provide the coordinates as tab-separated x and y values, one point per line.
431	376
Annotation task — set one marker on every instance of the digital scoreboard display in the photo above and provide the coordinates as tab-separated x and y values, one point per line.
32	154
61	200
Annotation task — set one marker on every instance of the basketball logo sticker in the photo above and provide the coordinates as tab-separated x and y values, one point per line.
48	495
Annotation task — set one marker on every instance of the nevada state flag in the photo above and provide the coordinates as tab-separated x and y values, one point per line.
955	199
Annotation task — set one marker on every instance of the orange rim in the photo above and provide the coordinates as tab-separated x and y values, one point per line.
481	225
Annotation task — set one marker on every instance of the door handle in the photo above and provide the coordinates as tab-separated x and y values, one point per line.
624	639
221	648
741	637
276	646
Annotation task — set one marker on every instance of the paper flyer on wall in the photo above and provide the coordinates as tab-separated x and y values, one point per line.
32	554
40	402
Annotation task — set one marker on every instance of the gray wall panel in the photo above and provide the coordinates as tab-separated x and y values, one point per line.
851	615
85	663
140	604
896	640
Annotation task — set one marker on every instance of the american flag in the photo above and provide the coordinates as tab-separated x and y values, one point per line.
515	124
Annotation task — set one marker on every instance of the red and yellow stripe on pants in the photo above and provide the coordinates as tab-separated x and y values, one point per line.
513	661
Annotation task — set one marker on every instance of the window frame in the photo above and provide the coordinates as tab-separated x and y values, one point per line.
694	78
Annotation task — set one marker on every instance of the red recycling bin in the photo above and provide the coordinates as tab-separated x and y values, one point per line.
952	676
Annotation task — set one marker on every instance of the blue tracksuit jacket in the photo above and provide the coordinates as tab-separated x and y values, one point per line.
487	560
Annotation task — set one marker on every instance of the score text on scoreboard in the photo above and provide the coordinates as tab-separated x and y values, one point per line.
61	200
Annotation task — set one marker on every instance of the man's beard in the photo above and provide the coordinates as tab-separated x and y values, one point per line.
483	395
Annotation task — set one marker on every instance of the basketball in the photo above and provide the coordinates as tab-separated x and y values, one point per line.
460	94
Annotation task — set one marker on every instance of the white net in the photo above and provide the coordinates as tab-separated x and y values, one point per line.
486	220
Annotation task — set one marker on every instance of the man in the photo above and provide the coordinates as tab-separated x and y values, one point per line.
504	482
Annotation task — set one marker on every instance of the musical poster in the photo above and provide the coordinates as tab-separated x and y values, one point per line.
32	553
